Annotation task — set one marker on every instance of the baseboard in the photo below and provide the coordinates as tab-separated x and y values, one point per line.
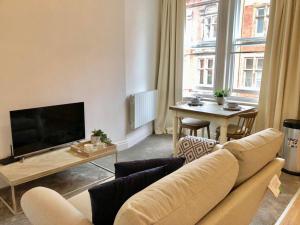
121	145
139	135
135	137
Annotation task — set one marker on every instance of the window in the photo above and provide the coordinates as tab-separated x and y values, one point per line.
206	71
261	20
200	46
210	23
252	73
237	63
247	48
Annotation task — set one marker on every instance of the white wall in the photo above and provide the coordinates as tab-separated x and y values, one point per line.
141	44
54	52
62	51
142	25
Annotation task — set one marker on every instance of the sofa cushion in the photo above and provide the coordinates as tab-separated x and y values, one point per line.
192	148
82	202
184	196
255	151
107	198
123	169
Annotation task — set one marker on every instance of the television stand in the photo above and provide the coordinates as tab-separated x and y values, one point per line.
47	164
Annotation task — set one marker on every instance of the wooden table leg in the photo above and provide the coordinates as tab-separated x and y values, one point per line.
223	132
175	134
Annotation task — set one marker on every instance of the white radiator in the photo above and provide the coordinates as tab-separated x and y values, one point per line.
143	108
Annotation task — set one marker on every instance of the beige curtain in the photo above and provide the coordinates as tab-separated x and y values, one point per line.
280	89
169	80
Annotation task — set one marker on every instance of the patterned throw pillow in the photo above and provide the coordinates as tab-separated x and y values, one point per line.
193	148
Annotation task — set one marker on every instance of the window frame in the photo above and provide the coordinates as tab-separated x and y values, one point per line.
230	26
208	43
235	24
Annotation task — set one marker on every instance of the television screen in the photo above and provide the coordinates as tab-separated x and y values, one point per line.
42	128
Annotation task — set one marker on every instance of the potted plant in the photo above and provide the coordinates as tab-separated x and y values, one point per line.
99	136
220	95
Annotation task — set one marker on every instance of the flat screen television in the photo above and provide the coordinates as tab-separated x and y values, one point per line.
41	129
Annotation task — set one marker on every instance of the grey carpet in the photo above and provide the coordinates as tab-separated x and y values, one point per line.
154	146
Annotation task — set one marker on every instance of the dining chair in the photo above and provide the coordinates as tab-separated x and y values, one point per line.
242	129
193	125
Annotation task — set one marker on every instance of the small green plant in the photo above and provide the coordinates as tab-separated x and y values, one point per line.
102	135
281	189
222	93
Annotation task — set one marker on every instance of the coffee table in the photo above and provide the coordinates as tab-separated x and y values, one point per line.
44	165
291	215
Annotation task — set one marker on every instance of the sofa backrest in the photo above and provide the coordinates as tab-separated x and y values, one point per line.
185	196
240	206
255	151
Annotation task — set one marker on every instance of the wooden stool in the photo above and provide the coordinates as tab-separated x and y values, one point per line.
194	125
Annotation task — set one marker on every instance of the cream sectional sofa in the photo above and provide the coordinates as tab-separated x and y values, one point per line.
222	188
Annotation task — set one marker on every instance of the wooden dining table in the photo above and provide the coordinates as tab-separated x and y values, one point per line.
209	111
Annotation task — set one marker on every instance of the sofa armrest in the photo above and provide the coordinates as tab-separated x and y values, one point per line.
239	206
43	206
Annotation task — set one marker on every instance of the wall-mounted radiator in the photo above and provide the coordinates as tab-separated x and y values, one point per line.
143	108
